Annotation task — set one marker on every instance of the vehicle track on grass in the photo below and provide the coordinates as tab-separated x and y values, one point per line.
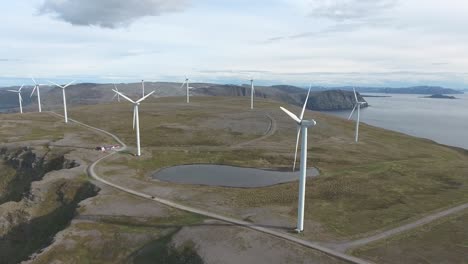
333	249
270	132
343	247
312	245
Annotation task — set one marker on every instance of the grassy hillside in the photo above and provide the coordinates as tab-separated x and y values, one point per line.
92	94
442	242
386	179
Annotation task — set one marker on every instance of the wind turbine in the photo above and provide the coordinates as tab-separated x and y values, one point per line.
64	98
143	87
252	93
136	116
187	83
358	106
37	88
302	127
20	98
116	94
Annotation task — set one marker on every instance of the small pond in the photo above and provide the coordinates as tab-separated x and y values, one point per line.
227	176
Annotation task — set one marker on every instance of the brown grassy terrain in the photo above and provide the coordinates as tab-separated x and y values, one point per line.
445	241
113	227
385	180
41	126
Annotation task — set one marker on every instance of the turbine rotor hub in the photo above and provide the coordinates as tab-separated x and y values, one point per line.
308	123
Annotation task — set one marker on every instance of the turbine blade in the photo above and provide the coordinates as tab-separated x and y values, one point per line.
113	97
121	94
305	103
297	145
293	116
58	85
182	84
355	95
134	117
146	96
352	112
70	83
34	89
34	80
21	88
13	91
20	97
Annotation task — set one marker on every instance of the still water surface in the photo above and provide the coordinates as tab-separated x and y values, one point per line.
227	176
442	120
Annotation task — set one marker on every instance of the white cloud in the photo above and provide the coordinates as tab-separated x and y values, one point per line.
340	10
374	43
108	13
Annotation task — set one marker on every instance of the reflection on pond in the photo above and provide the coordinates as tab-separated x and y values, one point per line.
227	176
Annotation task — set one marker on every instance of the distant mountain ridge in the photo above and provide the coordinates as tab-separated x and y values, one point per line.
407	90
330	100
89	93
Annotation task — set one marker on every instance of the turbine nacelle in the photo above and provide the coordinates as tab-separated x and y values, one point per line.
308	123
65	112
20	98
17	91
357	105
302	125
62	86
136	118
300	122
188	88
37	90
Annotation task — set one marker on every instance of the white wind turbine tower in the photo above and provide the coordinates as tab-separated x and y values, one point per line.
358	106
20	98
252	93
116	94
187	83
37	89
65	113
302	127
136	116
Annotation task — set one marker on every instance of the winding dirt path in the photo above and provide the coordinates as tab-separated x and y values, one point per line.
333	249
313	245
269	132
343	247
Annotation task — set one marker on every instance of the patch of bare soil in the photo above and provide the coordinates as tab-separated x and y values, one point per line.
217	242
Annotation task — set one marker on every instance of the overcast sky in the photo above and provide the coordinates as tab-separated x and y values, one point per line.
324	42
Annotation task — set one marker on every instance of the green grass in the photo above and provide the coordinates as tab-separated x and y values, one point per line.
168	158
385	180
120	239
445	241
161	250
7	174
41	126
171	127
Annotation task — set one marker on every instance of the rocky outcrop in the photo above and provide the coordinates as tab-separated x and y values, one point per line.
24	233
419	90
333	100
29	166
440	96
321	101
39	202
